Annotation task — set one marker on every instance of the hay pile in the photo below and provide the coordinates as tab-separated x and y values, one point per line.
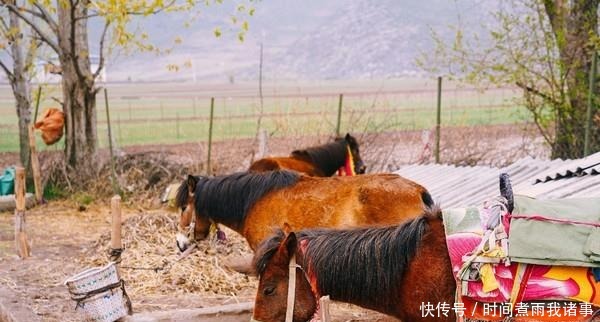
148	261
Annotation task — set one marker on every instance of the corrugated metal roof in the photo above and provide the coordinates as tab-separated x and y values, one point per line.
453	186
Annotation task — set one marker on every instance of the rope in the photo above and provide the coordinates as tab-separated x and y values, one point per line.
81	297
114	254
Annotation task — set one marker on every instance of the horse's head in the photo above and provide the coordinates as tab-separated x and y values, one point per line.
191	226
272	262
359	165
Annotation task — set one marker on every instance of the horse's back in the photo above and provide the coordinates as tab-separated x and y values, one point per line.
289	163
336	202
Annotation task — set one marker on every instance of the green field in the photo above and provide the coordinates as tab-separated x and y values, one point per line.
176	113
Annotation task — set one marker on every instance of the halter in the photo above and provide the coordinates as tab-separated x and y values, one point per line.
348	168
191	231
291	294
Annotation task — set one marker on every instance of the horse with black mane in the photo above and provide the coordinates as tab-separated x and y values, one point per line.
395	270
254	204
318	161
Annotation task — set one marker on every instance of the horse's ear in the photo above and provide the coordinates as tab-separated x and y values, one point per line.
287	229
288	246
350	139
191	182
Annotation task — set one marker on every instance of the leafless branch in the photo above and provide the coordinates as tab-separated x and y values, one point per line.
101	50
46	16
43	36
536	92
9	74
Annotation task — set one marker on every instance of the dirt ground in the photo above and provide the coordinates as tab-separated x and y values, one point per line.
67	237
64	241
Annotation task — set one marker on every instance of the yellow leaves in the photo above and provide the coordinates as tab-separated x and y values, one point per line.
172	67
217	32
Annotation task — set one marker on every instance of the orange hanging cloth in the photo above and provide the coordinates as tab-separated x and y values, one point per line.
51	125
348	168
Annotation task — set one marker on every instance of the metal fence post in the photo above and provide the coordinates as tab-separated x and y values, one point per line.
438	120
339	116
210	132
588	117
113	173
177	125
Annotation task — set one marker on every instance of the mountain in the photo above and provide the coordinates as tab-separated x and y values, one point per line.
308	39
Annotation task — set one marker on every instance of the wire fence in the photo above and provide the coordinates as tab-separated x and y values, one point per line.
164	116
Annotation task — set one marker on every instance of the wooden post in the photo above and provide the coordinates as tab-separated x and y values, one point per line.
113	173
262	143
324	307
339	116
210	132
21	244
438	121
35	166
590	106
115	234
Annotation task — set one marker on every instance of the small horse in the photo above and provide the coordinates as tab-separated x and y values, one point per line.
394	270
254	204
318	161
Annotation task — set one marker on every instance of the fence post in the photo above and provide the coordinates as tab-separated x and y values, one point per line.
194	105
588	117
35	162
438	120
113	174
339	116
35	166
210	132
21	244
177	124
116	244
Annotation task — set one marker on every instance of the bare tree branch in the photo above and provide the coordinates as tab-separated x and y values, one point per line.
101	50
46	16
9	74
43	36
536	92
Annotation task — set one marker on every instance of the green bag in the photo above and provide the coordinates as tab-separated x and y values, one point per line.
552	240
7	182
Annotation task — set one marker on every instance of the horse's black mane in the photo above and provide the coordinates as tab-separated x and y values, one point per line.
227	199
356	265
327	157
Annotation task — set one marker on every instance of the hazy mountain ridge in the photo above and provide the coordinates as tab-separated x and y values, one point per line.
306	40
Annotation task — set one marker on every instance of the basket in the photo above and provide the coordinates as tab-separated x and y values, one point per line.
100	294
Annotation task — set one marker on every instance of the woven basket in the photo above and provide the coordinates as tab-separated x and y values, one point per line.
106	306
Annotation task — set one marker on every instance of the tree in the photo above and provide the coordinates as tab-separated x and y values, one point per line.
63	27
20	52
544	47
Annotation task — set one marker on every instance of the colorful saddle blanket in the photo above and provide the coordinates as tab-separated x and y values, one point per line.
492	278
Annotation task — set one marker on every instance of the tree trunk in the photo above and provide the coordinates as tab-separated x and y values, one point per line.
79	92
574	24
21	90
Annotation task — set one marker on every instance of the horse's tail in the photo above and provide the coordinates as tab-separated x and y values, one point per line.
427	200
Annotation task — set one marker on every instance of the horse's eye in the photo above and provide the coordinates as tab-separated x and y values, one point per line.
183	208
269	291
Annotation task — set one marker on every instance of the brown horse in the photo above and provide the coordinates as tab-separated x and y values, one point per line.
395	270
254	204
318	161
